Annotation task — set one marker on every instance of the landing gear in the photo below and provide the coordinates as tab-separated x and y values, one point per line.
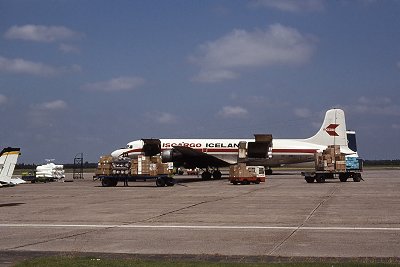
268	171
217	175
207	175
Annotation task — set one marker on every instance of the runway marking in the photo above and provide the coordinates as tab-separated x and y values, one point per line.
201	227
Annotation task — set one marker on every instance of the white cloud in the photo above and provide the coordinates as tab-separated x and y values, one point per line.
21	66
117	84
277	45
162	117
396	126
40	33
376	106
295	6
52	105
302	112
45	114
3	99
68	48
233	112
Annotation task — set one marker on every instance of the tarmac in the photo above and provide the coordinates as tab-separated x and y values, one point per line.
283	218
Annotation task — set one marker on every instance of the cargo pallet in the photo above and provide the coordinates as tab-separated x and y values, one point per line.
112	180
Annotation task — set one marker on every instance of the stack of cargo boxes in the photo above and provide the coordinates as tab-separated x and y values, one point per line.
353	163
148	166
240	171
330	160
104	166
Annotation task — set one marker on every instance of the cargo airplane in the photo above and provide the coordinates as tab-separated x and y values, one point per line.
214	153
8	160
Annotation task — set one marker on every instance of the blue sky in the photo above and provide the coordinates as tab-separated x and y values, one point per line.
89	76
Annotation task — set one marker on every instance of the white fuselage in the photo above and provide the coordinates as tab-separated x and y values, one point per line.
284	151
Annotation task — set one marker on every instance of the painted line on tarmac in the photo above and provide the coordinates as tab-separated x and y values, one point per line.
200	227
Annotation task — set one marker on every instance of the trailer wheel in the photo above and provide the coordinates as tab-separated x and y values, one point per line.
170	181
357	177
160	182
107	182
309	179
343	177
319	178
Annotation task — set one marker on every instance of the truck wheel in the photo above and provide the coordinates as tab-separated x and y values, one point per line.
309	179
257	181
235	182
160	182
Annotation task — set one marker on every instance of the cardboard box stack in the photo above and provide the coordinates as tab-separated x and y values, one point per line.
104	166
148	166
239	170
330	160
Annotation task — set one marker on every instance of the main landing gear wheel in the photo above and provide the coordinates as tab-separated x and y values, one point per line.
217	175
206	175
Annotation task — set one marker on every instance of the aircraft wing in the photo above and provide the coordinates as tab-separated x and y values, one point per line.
195	158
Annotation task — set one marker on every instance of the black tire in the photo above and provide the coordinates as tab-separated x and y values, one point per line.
160	182
357	177
309	179
206	176
257	181
235	182
106	182
320	178
170	182
217	175
343	177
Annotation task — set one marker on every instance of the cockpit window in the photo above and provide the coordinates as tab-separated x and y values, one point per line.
129	146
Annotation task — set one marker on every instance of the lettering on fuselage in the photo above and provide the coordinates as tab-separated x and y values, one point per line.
192	145
222	145
198	145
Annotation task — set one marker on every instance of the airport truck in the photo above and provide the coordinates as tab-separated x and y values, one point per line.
242	174
111	171
331	164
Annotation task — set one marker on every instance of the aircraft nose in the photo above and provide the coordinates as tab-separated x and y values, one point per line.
117	153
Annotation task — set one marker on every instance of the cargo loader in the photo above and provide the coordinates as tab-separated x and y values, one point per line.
261	149
331	164
111	171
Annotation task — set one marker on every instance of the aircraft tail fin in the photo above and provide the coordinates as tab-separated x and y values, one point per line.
8	160
332	131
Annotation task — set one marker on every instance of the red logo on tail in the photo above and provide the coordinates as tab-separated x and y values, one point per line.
331	129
